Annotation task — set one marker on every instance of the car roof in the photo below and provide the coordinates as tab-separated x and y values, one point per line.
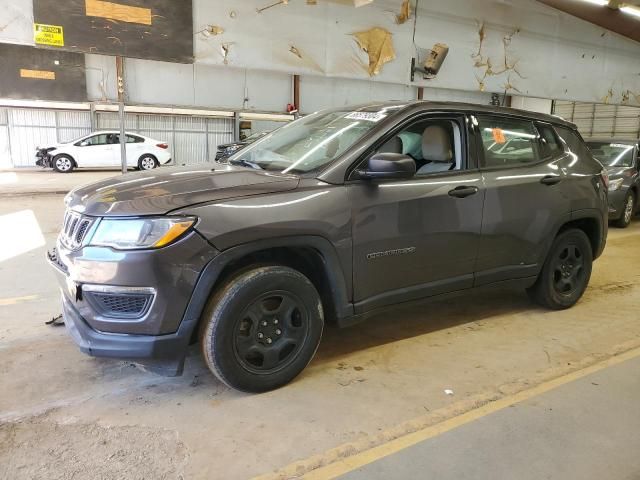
624	141
456	106
99	132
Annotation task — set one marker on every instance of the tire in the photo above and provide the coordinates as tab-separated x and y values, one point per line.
628	210
147	162
63	163
262	328
565	273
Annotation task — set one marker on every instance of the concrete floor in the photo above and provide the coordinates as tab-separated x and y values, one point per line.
63	414
587	429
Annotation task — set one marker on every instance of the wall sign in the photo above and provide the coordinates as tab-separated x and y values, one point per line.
48	35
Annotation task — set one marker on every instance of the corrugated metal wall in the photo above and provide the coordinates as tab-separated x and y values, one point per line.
600	120
5	150
191	139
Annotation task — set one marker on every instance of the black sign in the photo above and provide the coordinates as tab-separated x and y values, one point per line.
34	74
151	29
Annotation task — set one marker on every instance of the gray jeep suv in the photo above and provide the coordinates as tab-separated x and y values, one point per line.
330	218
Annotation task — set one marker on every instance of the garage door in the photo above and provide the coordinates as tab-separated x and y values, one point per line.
600	120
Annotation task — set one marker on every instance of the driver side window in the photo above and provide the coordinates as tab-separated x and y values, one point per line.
434	144
94	140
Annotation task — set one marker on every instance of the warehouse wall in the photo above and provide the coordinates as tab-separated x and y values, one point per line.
558	56
192	139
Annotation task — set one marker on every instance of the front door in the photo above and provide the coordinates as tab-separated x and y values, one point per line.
96	151
418	237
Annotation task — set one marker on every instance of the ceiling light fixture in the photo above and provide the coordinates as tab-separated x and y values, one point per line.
630	10
602	3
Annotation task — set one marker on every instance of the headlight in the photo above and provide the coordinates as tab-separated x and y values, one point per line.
615	184
135	233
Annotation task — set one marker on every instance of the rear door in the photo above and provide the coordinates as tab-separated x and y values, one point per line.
417	237
135	148
522	168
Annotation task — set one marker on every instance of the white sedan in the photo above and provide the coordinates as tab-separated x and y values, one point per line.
102	149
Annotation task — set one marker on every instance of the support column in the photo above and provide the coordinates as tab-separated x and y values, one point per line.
296	94
121	115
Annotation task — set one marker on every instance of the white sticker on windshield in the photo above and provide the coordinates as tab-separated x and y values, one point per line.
621	145
368	116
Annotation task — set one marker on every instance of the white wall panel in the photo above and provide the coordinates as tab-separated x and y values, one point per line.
16	20
559	55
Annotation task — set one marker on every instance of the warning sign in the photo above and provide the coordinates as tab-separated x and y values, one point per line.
48	35
498	135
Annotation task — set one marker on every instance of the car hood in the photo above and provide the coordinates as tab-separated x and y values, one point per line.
163	190
227	145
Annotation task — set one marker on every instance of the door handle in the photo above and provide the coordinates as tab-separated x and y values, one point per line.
463	191
550	180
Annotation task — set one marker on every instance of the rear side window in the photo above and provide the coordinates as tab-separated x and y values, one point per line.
508	142
134	139
551	146
574	142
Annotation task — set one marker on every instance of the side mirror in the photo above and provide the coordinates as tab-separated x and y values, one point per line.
388	165
84	143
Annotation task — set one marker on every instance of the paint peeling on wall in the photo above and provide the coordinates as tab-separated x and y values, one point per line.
486	65
378	43
405	12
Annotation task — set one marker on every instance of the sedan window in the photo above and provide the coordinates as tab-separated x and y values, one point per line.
101	139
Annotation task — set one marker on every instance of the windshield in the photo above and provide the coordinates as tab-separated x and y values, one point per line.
612	154
308	143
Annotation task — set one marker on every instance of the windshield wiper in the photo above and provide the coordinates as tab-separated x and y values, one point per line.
245	163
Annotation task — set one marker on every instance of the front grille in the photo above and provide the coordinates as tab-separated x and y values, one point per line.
120	305
74	229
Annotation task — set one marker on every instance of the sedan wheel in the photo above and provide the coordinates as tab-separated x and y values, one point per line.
147	163
63	164
628	210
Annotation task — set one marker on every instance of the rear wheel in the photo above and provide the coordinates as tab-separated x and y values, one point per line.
262	329
565	273
147	162
63	163
628	210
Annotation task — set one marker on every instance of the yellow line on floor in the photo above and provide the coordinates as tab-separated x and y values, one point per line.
14	300
366	457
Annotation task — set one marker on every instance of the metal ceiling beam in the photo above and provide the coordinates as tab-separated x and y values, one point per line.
603	16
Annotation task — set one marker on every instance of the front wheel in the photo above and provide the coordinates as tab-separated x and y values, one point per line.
63	164
628	209
262	329
147	162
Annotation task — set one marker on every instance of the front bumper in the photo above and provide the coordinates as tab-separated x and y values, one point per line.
158	339
163	354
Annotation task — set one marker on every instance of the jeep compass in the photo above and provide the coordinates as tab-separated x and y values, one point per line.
328	219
